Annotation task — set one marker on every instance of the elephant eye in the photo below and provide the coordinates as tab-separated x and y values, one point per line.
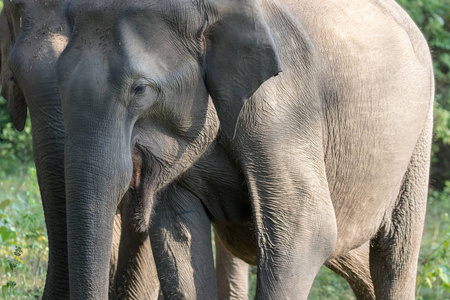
144	92
140	89
12	77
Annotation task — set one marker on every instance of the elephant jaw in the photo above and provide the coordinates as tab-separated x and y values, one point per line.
140	195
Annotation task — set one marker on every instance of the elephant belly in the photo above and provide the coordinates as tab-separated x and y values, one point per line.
239	239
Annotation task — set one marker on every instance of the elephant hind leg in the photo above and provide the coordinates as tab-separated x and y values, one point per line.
231	274
354	268
394	250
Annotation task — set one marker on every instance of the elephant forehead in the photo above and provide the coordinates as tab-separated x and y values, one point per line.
104	18
121	8
58	43
184	15
155	48
33	7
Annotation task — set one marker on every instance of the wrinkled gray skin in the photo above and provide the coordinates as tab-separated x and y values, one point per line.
33	34
308	167
132	267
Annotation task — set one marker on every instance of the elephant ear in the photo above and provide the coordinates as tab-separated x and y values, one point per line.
240	56
17	106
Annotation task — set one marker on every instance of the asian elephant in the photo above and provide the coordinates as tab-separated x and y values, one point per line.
300	129
32	36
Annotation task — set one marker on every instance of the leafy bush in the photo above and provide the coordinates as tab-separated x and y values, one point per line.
16	154
434	270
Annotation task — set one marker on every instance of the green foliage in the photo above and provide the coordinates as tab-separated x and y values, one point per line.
434	270
16	154
252	282
23	239
13	262
330	286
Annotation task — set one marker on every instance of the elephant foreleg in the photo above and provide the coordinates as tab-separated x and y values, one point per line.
295	227
293	213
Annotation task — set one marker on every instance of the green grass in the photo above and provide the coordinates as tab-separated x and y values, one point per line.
330	286
22	228
23	239
434	261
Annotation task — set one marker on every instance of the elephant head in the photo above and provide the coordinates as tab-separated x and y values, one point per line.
144	86
32	37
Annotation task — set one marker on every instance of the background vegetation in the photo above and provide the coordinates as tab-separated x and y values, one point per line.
23	243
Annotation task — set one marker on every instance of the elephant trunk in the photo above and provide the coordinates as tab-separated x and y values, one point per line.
98	173
48	150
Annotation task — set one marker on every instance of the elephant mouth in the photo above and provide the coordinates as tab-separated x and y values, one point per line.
137	168
140	195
